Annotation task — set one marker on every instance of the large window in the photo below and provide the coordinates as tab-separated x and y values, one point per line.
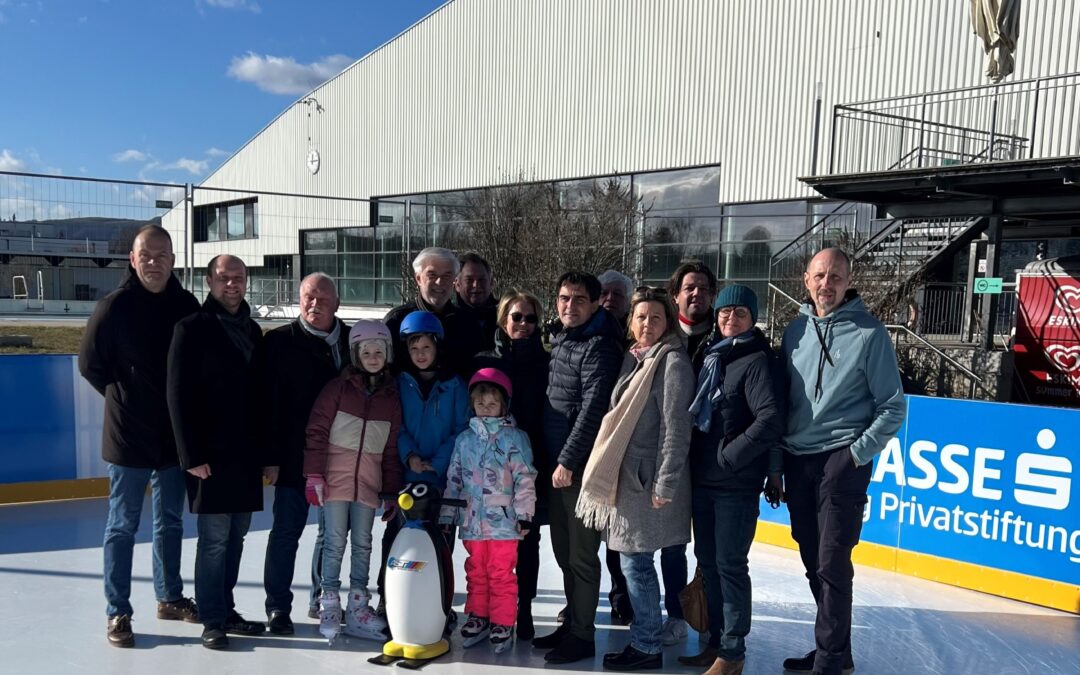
365	262
227	220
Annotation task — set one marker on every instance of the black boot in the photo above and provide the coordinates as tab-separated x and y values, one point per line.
525	628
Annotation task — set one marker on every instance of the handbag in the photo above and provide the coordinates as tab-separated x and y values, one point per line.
694	604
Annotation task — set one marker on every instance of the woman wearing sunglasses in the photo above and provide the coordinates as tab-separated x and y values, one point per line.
519	352
738	420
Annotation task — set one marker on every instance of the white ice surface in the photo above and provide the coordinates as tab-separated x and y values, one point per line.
52	615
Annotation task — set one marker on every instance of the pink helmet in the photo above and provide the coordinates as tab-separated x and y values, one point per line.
493	376
370	329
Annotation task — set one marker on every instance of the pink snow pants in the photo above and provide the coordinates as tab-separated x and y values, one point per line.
490	583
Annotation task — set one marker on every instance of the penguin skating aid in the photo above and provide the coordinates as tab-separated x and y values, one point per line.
419	583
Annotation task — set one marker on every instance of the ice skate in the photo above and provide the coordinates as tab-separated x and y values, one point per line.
361	620
502	637
329	615
474	631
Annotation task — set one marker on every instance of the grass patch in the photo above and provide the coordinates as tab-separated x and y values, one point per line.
47	339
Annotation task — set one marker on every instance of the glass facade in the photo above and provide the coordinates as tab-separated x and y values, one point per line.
677	216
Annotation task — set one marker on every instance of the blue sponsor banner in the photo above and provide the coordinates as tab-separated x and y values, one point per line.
37	419
983	483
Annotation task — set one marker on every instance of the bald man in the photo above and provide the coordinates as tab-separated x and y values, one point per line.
845	404
122	356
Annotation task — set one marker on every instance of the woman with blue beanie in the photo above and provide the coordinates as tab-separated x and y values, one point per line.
737	415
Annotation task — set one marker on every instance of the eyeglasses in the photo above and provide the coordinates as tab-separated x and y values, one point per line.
740	312
518	317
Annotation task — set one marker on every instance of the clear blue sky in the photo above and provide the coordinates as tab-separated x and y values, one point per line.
164	90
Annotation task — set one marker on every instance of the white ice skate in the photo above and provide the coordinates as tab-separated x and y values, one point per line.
502	637
329	615
361	620
474	631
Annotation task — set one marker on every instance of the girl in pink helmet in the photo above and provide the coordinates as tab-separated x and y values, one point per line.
492	470
351	456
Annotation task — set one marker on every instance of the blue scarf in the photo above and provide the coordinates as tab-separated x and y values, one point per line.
710	387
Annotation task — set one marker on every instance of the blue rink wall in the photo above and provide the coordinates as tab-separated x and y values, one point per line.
970	493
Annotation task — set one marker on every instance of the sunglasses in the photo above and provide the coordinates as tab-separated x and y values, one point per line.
518	317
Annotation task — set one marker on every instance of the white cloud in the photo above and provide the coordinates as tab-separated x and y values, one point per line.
192	166
131	156
248	5
216	152
9	162
283	75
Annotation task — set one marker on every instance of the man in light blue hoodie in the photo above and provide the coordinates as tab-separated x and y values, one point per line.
845	404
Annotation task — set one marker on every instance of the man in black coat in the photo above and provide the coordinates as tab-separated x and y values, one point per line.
293	363
475	309
123	355
585	359
210	401
436	270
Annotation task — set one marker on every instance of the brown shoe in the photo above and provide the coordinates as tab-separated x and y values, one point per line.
183	609
724	667
119	632
702	660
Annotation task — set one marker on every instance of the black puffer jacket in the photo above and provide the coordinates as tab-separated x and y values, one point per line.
123	356
292	366
747	424
585	363
212	406
476	326
525	362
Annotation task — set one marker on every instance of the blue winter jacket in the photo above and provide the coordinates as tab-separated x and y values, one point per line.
429	426
494	474
844	384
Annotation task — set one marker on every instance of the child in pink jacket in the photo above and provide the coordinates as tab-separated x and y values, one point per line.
351	456
491	469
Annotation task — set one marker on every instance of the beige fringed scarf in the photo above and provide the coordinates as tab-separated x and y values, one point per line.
600	482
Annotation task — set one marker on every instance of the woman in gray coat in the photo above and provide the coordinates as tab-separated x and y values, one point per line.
635	487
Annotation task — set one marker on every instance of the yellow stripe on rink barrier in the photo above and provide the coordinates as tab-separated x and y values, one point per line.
1044	592
53	490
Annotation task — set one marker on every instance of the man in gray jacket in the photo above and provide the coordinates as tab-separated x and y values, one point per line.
846	402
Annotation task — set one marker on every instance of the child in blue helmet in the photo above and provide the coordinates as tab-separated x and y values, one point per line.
434	402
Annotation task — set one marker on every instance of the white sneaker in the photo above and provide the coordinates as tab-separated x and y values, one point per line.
474	631
361	620
329	615
673	632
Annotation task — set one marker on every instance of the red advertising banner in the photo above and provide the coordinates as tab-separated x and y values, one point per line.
1047	343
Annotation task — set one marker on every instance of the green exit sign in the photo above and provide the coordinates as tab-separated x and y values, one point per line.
988	285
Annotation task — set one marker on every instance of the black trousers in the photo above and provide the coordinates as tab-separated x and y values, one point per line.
826	495
528	566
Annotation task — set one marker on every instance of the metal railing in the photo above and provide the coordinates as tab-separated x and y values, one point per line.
1026	119
975	381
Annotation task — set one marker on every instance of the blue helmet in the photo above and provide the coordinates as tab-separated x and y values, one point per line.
421	323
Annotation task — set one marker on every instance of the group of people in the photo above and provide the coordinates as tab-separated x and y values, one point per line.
653	412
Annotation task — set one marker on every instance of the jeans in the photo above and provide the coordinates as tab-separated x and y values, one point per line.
576	549
826	495
724	526
644	590
217	564
290	519
353	521
127	489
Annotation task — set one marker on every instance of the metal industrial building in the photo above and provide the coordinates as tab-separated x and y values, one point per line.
710	111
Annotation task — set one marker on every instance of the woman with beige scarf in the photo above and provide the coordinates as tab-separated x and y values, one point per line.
635	488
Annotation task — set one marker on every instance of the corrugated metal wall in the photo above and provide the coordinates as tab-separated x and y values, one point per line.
484	92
